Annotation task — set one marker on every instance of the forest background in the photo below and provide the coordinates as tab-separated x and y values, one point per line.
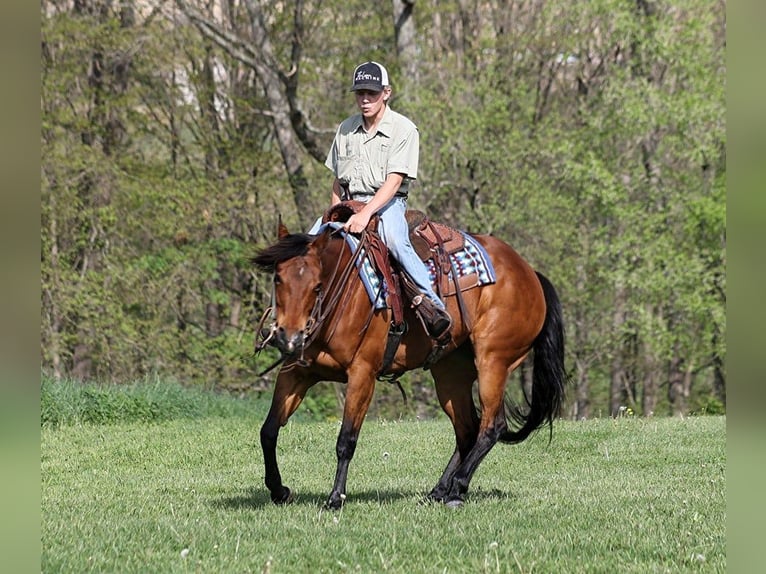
590	136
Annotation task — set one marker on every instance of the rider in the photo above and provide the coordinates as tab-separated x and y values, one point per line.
374	157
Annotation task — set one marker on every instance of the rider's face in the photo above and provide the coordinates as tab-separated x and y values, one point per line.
371	103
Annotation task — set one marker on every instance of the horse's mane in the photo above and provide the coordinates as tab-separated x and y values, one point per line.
292	245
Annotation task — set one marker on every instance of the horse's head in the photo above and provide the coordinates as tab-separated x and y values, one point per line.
296	263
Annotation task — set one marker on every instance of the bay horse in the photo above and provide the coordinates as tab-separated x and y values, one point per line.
327	329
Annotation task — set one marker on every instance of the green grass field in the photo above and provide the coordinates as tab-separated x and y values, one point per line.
187	495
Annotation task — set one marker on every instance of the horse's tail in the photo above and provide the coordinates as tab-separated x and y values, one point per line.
549	376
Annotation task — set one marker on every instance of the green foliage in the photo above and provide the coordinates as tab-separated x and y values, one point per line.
590	136
66	403
322	404
709	406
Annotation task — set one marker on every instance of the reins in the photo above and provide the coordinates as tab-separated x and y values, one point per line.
321	312
324	306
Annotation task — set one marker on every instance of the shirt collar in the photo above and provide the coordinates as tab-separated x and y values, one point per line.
385	125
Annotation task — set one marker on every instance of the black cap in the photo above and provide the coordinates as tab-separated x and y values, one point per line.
370	76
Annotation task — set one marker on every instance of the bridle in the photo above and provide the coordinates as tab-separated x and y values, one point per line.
326	302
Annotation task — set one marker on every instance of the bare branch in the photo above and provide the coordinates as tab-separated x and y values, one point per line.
227	40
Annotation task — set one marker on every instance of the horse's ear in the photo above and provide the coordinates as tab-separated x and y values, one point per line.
320	241
281	228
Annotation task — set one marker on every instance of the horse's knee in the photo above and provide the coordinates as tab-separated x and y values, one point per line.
269	434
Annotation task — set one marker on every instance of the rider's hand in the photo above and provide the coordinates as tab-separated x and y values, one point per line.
356	223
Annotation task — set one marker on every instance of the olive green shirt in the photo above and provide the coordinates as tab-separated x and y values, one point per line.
362	161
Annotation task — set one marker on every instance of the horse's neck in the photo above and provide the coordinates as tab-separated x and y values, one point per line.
346	305
339	270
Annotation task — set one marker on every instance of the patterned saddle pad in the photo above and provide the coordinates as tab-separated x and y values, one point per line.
471	263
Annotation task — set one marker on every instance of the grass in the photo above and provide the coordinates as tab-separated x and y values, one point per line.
153	400
187	495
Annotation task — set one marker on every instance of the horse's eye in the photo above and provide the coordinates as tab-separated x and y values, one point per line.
318	288
277	280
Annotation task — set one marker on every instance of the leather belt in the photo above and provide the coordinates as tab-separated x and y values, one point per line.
365	194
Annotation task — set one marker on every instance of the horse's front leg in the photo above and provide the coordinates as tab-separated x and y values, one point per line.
291	387
361	386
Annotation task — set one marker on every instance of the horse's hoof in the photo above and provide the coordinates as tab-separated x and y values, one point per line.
454	503
434	497
285	498
429	499
335	502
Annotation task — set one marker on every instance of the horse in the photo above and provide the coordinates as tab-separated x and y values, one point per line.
327	329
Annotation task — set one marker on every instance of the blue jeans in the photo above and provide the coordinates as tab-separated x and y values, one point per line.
395	234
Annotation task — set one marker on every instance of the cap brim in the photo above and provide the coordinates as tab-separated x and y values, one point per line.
373	87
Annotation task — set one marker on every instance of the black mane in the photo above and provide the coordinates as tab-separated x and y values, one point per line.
293	245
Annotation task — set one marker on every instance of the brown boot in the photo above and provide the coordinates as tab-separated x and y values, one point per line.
435	319
440	324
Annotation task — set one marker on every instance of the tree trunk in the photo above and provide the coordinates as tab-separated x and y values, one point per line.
406	47
52	294
209	114
719	377
82	360
676	390
582	392
288	120
582	381
105	130
212	319
289	146
617	394
649	394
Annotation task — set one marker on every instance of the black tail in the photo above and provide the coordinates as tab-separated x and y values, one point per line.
549	376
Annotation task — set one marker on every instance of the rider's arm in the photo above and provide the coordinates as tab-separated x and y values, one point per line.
357	222
337	192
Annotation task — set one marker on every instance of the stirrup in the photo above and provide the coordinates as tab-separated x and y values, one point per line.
436	352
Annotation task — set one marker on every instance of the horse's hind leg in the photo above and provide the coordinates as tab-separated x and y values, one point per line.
454	376
492	378
289	391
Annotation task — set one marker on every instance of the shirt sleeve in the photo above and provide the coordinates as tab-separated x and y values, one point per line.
332	156
405	153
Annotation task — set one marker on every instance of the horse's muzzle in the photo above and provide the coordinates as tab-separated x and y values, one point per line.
289	345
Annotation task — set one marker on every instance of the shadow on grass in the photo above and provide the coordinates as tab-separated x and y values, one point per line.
258	499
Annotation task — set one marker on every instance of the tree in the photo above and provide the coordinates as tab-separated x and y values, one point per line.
590	136
279	85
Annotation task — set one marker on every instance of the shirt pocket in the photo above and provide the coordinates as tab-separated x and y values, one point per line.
345	168
381	165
